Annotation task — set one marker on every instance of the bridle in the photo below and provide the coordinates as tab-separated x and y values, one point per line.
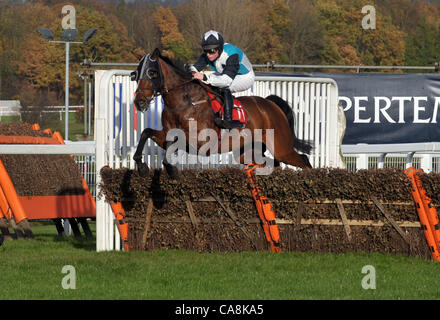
159	87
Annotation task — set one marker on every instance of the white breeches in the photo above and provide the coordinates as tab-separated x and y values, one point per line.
241	82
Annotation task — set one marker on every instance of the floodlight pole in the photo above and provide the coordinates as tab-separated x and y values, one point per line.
66	99
71	34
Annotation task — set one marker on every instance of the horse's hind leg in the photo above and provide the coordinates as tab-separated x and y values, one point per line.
283	151
171	170
287	154
257	156
306	160
276	163
294	159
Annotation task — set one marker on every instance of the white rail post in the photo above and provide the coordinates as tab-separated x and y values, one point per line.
381	161
362	161
426	162
409	158
105	224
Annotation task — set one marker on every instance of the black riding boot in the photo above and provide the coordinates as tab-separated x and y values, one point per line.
225	123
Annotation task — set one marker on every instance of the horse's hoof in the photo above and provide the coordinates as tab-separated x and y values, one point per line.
142	169
172	171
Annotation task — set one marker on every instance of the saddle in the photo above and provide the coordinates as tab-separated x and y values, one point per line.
239	118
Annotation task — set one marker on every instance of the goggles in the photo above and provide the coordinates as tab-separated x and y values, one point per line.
210	51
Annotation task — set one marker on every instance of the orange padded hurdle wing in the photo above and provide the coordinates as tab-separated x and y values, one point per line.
2	215
27	140
264	208
11	195
44	207
431	212
5	209
57	136
122	225
423	217
59	206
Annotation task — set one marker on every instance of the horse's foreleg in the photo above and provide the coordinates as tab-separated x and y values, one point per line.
141	166
158	137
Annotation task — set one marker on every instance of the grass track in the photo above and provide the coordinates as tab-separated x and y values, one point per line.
33	270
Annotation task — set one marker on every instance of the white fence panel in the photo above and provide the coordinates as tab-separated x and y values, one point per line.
376	156
118	127
314	102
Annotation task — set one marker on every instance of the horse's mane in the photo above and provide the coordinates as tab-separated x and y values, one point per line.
178	66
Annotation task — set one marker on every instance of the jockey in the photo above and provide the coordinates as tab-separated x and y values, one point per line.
232	71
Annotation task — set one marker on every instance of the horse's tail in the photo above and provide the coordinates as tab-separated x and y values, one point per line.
300	145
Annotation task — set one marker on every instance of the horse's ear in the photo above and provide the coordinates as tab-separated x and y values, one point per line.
137	55
156	54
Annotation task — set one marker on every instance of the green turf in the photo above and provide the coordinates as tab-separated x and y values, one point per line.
33	270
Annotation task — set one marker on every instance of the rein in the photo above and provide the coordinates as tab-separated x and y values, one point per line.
191	104
162	92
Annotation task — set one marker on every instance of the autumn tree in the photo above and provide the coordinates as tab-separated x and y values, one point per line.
296	23
234	19
136	16
422	40
284	31
42	64
240	22
173	43
277	18
347	42
12	37
269	46
400	12
422	47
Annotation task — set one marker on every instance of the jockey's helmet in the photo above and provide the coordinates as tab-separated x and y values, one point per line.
212	40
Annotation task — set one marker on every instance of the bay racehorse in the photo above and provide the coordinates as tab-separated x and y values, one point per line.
187	99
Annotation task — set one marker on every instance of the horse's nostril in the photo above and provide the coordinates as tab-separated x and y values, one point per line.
140	104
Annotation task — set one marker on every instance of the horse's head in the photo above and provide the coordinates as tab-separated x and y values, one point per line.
149	78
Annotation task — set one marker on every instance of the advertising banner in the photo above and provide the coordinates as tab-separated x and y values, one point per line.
385	108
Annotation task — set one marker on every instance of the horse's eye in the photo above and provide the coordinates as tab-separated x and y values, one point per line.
152	74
